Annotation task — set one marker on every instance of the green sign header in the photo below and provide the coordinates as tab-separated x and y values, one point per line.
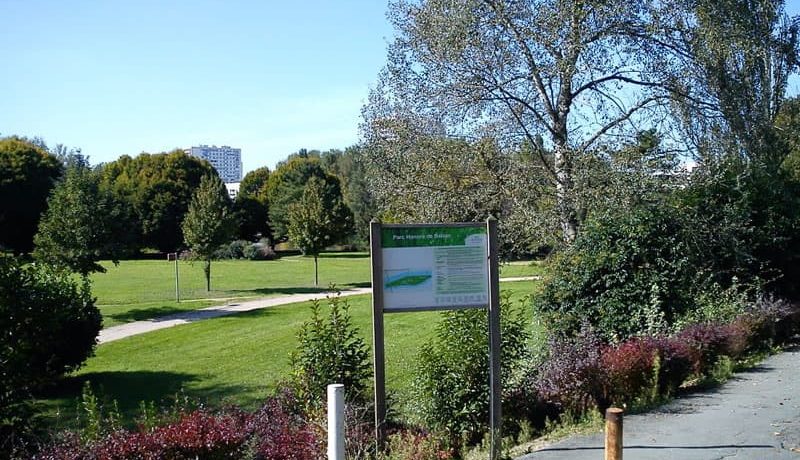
409	237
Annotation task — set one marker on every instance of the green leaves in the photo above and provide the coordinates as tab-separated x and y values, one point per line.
83	224
208	223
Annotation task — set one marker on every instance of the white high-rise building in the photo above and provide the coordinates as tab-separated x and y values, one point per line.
226	160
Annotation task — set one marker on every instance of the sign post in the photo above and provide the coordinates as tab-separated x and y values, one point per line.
423	267
174	256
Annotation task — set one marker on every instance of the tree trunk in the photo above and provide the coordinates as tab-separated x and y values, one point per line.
207	271
316	272
565	202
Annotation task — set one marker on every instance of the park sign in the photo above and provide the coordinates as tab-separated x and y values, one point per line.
419	267
434	267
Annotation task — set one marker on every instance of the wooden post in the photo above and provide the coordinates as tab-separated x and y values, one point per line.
377	333
495	388
614	433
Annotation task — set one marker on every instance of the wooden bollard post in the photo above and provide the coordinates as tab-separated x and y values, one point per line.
614	433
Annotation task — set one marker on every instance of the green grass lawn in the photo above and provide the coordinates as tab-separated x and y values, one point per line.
143	289
238	358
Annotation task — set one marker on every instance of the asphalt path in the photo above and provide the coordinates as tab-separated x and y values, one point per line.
755	415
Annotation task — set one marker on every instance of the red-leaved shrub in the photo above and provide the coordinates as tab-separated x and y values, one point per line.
707	342
630	369
281	432
573	377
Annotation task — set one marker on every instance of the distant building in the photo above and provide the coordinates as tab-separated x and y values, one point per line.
233	189
226	160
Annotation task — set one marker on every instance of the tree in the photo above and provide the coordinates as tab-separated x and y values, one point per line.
286	186
319	219
559	76
252	206
159	188
734	59
27	174
351	170
83	224
208	223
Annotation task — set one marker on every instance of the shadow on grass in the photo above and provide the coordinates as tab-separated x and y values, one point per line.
128	390
145	313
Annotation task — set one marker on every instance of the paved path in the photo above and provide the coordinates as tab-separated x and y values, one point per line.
140	327
756	415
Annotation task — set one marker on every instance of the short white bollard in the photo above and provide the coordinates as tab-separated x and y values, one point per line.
336	421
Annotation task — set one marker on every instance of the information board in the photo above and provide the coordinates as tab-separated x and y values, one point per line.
429	267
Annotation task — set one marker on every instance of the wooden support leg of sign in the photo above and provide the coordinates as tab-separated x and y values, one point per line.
495	415
377	333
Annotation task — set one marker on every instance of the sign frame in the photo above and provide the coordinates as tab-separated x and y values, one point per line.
492	304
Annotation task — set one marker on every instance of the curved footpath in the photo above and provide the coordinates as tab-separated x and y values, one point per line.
140	327
755	415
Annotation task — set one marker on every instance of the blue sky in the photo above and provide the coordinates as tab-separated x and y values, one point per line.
122	77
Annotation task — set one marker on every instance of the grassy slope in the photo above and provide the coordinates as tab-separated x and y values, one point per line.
237	358
142	289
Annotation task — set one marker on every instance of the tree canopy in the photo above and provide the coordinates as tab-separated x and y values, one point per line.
27	174
286	186
209	222
83	224
319	219
159	187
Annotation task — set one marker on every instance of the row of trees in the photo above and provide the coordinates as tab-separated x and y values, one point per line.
170	201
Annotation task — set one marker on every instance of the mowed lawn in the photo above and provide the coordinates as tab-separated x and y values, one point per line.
239	358
143	289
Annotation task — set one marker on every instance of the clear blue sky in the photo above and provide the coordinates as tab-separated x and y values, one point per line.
122	77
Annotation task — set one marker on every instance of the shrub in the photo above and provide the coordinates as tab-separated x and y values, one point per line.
49	324
330	350
233	250
451	383
199	434
706	342
259	251
628	273
281	432
630	367
573	377
416	445
674	364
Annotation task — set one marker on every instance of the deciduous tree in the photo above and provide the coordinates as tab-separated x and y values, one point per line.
27	174
319	219
208	223
83	224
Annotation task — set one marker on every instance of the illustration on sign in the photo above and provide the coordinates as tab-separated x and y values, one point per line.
429	267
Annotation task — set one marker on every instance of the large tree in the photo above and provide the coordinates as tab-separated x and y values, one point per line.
27	174
83	224
208	223
562	77
286	186
252	205
734	58
159	188
319	219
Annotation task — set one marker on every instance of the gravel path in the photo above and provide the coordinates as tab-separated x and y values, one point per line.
755	415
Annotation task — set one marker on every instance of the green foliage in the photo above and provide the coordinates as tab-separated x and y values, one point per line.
252	206
27	174
208	223
330	350
159	188
319	219
83	224
286	185
628	273
451	385
49	325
